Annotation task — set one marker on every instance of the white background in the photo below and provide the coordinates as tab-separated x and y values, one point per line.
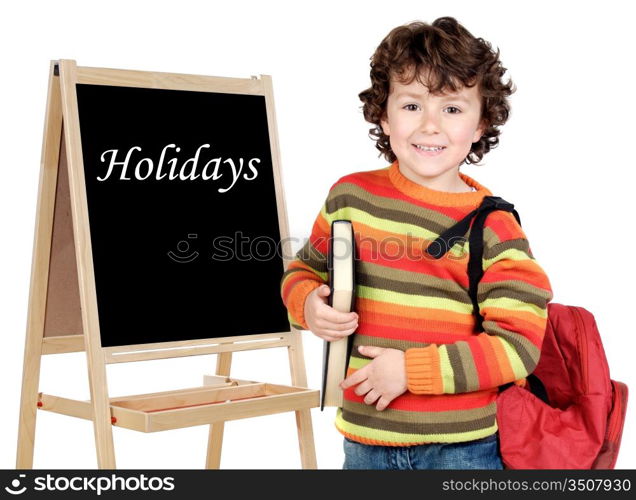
565	161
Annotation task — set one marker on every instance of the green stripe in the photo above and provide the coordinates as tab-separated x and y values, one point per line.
517	290
399	228
519	247
399	231
457	366
468	364
350	195
401	438
293	324
415	427
309	255
399	280
402	345
389	226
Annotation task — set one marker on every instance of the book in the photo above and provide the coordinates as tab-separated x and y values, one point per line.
341	272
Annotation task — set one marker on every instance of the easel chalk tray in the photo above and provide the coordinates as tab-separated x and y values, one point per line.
160	219
220	401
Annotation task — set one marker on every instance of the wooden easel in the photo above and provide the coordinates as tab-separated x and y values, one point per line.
63	315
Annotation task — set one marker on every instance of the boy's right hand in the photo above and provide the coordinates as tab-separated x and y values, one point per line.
325	321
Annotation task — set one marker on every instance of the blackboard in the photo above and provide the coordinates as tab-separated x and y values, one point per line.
183	214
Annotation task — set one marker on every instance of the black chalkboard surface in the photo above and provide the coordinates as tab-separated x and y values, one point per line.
183	214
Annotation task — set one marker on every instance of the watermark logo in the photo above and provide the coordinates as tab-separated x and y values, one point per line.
184	254
15	489
242	247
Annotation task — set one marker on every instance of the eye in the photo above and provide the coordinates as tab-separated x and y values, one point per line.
411	107
453	110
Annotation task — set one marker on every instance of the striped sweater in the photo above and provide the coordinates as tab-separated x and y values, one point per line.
406	300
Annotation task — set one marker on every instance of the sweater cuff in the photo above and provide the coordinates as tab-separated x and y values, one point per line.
423	373
297	300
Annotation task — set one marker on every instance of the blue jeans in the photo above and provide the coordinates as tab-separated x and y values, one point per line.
478	454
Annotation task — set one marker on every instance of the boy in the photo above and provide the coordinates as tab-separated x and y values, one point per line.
421	384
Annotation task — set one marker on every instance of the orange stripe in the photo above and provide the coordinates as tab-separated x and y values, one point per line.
455	271
491	358
296	299
502	361
526	323
527	271
379	185
292	281
412	334
481	360
384	247
504	225
439	316
319	237
380	246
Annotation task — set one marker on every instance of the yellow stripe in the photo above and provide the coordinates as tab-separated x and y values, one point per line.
396	437
390	226
323	276
510	304
405	299
448	379
509	254
357	363
515	361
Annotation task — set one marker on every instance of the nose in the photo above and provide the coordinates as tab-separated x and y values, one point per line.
429	123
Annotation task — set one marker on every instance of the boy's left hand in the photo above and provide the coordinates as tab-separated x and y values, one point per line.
382	380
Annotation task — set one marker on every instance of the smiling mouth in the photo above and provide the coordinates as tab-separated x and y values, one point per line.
429	148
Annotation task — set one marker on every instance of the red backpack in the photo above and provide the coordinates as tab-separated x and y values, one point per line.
581	423
570	414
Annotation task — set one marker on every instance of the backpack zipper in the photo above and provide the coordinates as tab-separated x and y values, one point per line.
581	339
616	415
614	424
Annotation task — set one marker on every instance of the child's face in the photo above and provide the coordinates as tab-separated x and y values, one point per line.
415	119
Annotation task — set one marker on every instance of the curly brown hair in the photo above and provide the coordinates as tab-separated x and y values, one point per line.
448	56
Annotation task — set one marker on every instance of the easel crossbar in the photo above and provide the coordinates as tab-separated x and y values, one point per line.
63	344
169	81
144	352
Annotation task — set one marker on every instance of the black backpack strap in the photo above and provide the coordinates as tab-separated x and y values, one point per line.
448	238
476	245
536	387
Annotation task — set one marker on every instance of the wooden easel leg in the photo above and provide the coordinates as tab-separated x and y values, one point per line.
303	417
215	438
85	272
28	405
40	272
102	424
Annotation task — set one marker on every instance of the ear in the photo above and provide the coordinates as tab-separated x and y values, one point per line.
384	123
480	130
